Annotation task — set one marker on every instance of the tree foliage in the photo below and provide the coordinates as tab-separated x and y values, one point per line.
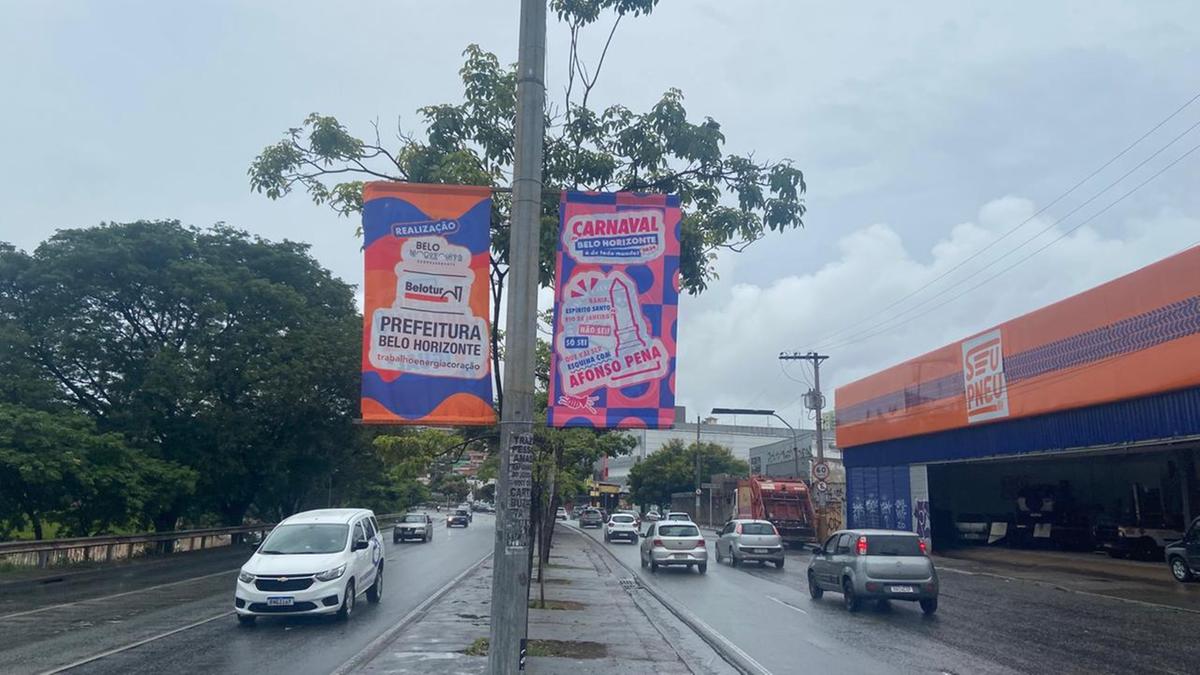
57	467
234	357
672	469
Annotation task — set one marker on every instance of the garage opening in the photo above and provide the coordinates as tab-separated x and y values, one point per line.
1128	503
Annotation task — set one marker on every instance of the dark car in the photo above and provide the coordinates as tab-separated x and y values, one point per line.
1183	556
460	517
591	518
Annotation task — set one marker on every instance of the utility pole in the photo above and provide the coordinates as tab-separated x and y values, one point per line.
696	491
510	563
813	399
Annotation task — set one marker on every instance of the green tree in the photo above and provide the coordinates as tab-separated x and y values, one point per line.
57	467
672	469
230	355
729	200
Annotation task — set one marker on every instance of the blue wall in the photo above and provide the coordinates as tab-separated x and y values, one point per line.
1162	416
878	497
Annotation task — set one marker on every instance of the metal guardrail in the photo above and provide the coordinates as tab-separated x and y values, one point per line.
109	548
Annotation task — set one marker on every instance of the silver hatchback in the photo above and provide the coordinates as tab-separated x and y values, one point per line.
669	542
745	540
874	565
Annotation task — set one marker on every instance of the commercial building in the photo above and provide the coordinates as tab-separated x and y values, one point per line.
738	438
1056	428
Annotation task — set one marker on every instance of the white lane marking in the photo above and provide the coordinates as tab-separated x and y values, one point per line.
116	595
1143	603
132	645
787	604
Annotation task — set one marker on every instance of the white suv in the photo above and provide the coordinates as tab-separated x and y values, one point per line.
316	562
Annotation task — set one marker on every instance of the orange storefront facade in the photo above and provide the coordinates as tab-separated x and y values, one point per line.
1114	370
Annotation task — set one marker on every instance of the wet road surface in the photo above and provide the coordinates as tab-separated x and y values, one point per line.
984	624
42	633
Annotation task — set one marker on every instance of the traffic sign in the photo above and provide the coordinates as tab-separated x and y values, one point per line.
699	492
822	486
820	471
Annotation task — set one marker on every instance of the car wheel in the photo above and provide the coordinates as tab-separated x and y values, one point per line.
375	592
779	564
851	600
929	605
1179	570
396	541
733	559
814	590
348	599
246	619
642	560
703	567
653	566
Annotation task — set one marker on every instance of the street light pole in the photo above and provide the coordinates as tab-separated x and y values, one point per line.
770	413
510	564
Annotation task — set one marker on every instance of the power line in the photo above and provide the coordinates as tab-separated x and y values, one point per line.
888	328
1044	230
1057	199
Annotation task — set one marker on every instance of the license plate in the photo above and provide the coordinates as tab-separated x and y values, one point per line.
679	555
903	589
762	550
281	601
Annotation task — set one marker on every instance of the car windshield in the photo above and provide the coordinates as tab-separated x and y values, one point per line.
893	545
758	528
414	519
306	538
460	512
679	531
622	519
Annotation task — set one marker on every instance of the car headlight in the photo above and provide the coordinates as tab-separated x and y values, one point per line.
245	577
330	575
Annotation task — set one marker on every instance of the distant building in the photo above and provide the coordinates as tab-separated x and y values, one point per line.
469	465
738	438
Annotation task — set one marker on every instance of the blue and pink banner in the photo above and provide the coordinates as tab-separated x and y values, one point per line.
615	310
426	357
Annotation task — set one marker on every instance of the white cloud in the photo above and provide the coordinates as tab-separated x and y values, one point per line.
730	338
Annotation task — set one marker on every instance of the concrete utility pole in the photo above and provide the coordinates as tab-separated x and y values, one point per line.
697	490
814	399
510	564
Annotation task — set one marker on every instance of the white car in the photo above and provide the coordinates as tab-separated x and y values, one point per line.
315	562
621	526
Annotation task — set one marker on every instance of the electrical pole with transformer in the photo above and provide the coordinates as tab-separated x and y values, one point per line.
815	400
510	563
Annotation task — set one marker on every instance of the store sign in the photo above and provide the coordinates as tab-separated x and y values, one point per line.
983	377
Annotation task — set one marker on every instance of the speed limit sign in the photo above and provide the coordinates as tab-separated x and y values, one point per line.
820	471
822	487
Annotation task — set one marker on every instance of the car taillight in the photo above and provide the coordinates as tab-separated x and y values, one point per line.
921	543
700	543
657	542
861	547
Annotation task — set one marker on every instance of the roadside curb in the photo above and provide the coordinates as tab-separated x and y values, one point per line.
376	646
732	654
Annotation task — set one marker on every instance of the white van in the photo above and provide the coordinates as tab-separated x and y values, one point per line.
315	562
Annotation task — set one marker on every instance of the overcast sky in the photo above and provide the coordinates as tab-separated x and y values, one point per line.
925	131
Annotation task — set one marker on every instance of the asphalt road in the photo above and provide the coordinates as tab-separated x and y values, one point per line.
63	624
984	624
